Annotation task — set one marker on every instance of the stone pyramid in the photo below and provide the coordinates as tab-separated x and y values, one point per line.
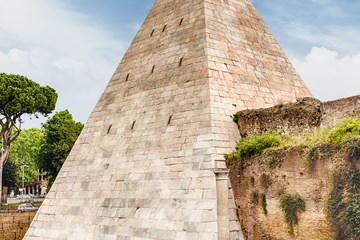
149	163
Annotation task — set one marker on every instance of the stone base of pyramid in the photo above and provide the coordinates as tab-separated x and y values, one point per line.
153	175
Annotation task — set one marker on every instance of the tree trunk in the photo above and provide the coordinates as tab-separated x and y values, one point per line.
4	153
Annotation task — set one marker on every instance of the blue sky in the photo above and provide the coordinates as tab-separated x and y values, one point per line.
75	45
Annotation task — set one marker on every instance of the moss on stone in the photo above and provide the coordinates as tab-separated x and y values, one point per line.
291	205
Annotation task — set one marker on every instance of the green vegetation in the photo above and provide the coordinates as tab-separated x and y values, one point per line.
291	205
235	118
342	204
9	177
353	148
13	206
346	133
19	96
249	147
25	153
342	142
60	134
33	148
347	129
256	198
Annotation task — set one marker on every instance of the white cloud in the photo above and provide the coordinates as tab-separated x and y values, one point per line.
55	46
344	39
329	76
68	64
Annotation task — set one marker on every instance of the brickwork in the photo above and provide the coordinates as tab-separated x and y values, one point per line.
293	118
333	111
291	175
13	226
143	166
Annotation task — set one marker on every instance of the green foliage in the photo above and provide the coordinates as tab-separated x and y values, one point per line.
291	205
25	151
342	204
347	128
8	177
345	134
353	148
14	206
235	118
20	95
312	155
263	203
60	134
249	147
256	197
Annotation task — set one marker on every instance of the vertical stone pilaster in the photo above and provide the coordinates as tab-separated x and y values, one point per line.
222	191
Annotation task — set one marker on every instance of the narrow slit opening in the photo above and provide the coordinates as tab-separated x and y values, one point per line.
181	21
108	131
133	124
152	32
127	77
180	62
153	68
169	121
164	28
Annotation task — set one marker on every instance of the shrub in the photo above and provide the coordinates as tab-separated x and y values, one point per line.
249	147
342	205
353	149
291	205
346	129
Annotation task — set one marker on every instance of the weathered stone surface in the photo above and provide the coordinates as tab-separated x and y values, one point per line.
333	111
292	174
143	166
301	116
13	226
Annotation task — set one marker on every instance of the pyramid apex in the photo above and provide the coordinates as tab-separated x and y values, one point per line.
149	163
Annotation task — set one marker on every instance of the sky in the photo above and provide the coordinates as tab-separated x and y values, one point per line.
74	46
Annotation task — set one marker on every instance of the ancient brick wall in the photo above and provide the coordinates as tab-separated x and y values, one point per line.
279	172
333	111
13	226
302	116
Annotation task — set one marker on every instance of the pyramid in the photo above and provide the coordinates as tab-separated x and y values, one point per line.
149	162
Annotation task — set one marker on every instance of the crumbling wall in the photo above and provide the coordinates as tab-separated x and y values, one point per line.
277	172
259	182
292	118
332	111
